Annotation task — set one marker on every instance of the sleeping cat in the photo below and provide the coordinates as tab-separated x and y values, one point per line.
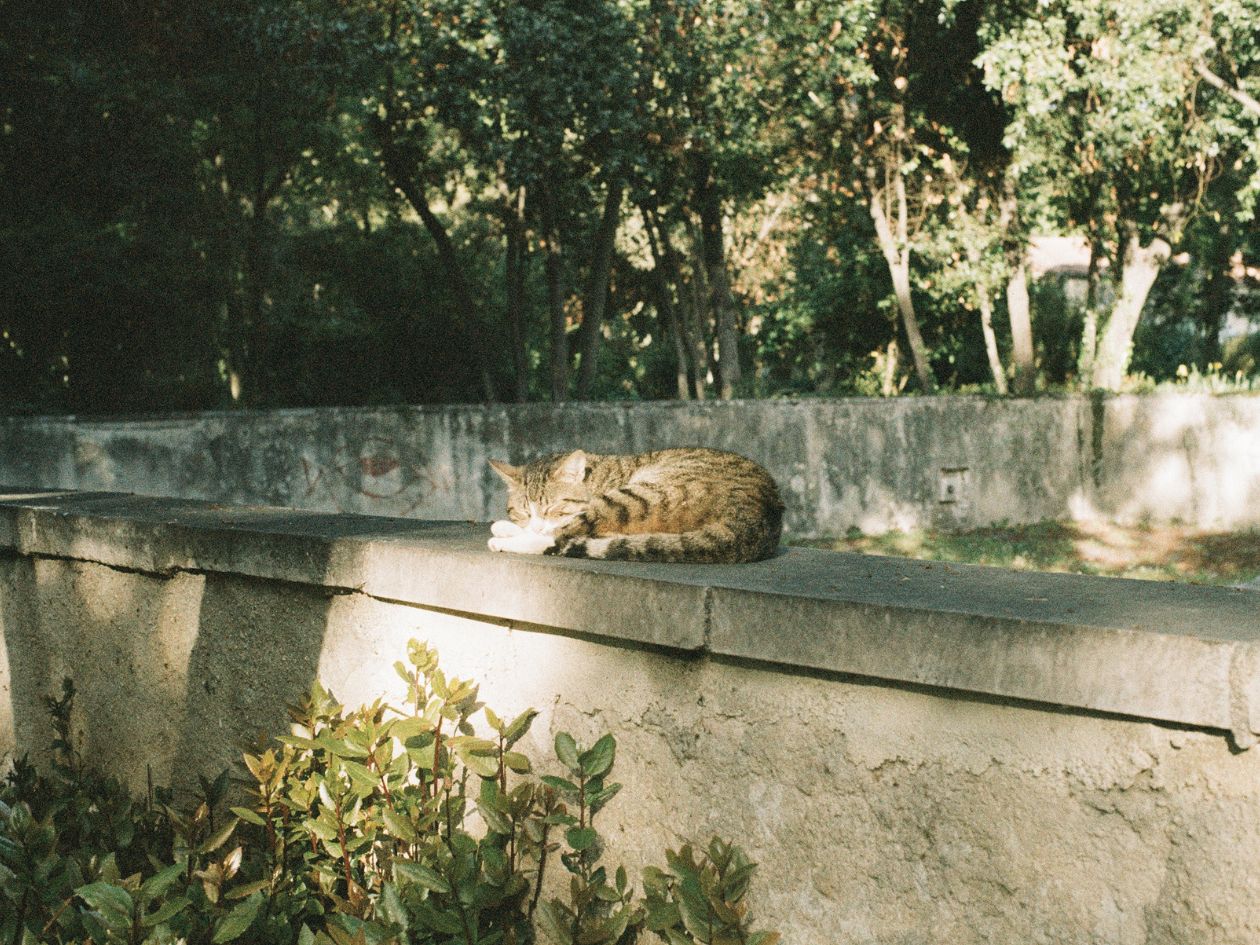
683	504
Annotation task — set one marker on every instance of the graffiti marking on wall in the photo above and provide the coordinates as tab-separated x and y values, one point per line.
380	472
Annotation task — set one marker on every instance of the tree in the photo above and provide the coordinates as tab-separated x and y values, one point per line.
1107	109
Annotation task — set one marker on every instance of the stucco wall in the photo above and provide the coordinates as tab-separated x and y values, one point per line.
870	464
900	810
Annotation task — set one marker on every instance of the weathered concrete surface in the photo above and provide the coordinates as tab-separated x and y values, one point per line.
880	813
871	464
1085	642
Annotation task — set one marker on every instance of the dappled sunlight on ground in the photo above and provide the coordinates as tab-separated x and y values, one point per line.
1153	552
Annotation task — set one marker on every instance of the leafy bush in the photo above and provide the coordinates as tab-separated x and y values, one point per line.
363	827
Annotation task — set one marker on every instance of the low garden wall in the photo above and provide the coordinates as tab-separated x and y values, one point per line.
912	752
949	462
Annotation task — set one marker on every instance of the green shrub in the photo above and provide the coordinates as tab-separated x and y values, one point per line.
364	827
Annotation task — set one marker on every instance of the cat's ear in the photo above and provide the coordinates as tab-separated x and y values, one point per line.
572	468
511	474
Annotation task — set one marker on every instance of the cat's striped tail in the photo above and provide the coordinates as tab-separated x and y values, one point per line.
712	544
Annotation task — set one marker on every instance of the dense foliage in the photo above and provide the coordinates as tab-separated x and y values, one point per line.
359	201
367	827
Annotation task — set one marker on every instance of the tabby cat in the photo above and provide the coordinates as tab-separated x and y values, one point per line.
683	504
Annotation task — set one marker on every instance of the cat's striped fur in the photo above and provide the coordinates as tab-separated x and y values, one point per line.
682	504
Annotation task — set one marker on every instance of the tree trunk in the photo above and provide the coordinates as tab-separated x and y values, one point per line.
985	302
690	301
665	305
554	272
896	250
701	299
723	302
888	383
1218	293
1089	329
595	299
1017	307
515	269
1018	310
467	318
1141	267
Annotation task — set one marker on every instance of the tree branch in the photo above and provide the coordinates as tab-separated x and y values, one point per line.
1238	95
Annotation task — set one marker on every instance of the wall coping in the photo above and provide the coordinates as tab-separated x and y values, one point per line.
1172	653
159	417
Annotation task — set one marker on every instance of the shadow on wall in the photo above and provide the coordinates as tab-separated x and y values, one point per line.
178	672
24	673
122	638
260	644
257	651
174	673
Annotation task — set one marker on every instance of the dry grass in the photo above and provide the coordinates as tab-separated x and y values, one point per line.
1150	552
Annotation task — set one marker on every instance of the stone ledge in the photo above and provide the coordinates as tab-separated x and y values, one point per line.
1173	653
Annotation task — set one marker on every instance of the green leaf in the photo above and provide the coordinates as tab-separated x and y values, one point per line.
566	751
340	747
549	919
519	726
581	838
361	775
297	741
239	919
616	924
487	766
169	910
248	889
96	932
113	902
467	743
560	784
764	938
399	826
517	762
662	915
160	882
421	875
495	821
403	729
599	758
442	921
249	816
496	723
390	907
321	828
423	756
219	837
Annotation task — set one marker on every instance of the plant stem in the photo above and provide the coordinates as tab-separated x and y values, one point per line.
542	866
21	916
345	856
56	915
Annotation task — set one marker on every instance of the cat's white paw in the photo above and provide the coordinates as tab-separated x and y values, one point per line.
524	543
505	529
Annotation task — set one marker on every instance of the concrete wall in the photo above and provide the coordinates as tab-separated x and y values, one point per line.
913	753
870	464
